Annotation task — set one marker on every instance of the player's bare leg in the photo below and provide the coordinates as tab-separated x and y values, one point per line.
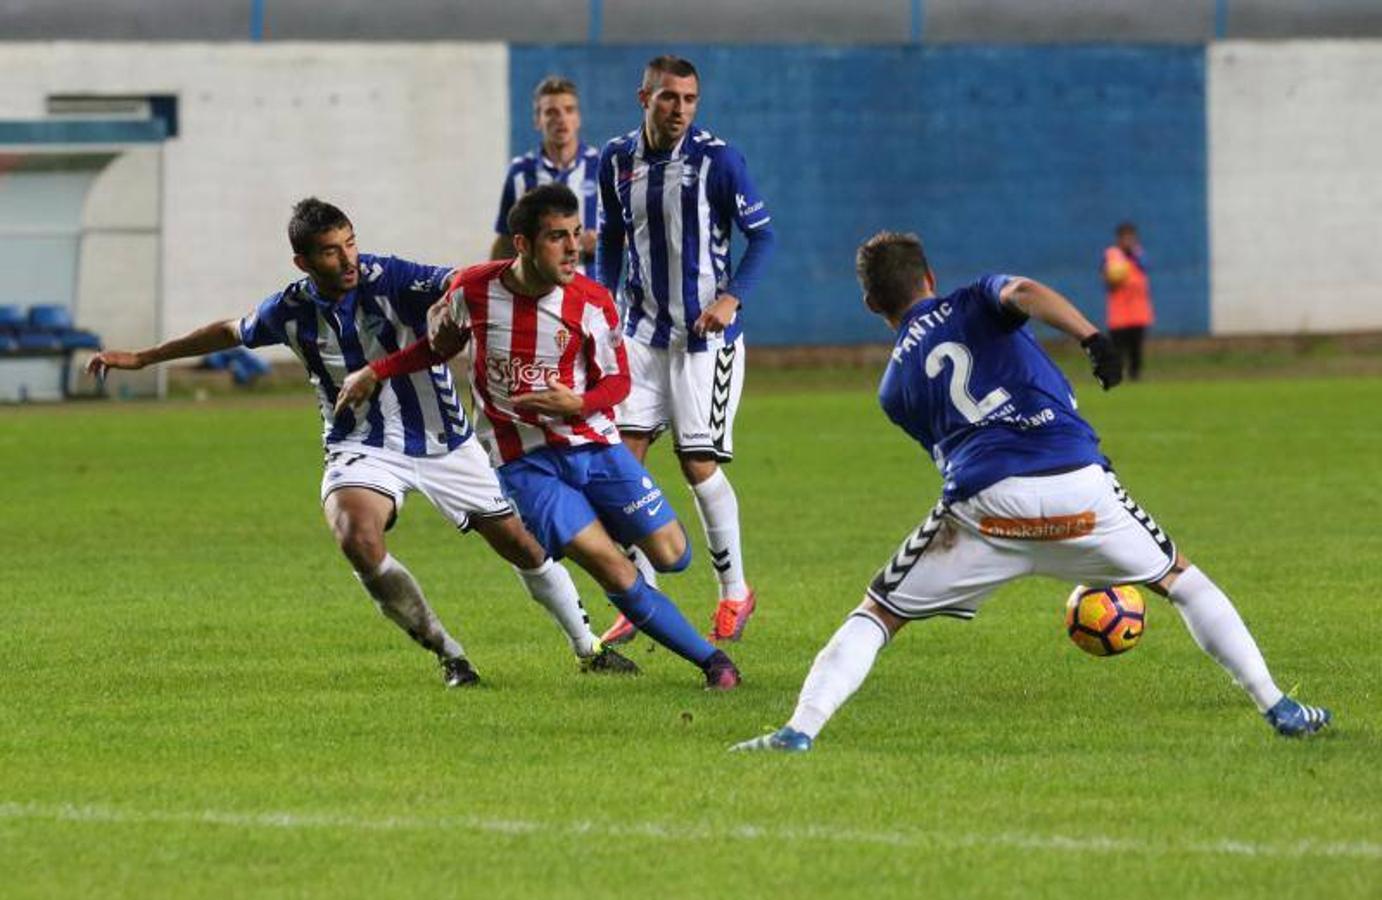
548	582
718	507
837	672
358	518
1217	628
644	605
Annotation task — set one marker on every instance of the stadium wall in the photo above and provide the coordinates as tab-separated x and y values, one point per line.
1004	158
1255	156
1296	186
407	138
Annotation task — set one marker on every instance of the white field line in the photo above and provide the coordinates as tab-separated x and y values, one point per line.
913	840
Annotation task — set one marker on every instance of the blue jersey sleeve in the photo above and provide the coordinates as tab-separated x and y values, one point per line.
609	249
733	192
261	328
506	200
414	286
988	289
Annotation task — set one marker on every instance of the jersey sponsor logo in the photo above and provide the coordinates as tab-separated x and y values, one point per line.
647	500
1040	528
516	376
745	208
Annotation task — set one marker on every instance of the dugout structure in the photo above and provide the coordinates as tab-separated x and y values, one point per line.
81	227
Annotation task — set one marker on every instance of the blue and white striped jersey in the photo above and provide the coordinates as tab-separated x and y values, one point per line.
417	414
670	213
970	384
534	168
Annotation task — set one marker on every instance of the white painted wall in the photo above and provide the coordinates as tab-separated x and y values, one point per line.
1295	182
410	140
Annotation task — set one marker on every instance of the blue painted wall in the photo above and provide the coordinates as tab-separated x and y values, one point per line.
1003	158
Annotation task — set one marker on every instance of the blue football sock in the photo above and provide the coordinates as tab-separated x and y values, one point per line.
658	617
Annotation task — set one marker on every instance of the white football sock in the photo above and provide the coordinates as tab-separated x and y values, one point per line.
719	509
551	585
1217	628
839	669
399	597
642	563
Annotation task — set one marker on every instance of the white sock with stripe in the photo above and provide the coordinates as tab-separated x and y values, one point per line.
399	597
642	563
1219	630
840	668
551	586
719	510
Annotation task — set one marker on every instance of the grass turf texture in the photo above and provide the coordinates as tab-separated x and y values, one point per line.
199	700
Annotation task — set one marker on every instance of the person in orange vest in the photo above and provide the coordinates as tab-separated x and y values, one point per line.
1129	296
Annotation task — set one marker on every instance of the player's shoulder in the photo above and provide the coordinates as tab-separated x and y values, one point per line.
624	143
589	151
705	142
479	273
591	291
523	161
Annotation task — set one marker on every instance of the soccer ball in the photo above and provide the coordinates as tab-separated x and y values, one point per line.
1105	621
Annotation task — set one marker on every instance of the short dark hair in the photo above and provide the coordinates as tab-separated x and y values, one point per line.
312	217
554	84
669	65
543	200
1124	228
892	268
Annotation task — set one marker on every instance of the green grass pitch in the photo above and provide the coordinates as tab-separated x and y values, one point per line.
199	701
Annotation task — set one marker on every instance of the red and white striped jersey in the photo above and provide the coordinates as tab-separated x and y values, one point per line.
518	342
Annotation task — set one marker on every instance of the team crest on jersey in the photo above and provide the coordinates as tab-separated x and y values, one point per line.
516	376
562	337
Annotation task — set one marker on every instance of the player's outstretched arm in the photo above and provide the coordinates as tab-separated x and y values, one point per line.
360	385
1034	299
207	339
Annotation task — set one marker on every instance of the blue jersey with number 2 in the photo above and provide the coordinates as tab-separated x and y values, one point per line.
973	386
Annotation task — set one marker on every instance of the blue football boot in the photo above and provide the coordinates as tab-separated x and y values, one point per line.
785	740
1292	719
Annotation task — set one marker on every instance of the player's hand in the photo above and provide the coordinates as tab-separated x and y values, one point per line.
1103	356
557	400
716	317
444	333
356	389
102	362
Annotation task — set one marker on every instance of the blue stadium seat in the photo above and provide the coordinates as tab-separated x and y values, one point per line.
11	317
47	317
8	342
39	342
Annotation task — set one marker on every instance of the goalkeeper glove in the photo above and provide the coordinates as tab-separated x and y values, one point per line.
1103	356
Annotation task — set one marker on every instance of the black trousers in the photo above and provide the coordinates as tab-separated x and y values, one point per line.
1129	344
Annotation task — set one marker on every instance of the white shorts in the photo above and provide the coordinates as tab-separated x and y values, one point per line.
460	484
695	394
1078	526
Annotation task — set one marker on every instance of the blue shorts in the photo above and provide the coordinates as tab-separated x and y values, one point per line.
559	492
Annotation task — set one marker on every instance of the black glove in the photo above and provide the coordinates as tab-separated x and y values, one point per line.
1103	356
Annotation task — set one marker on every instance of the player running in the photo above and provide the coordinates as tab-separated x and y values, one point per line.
670	195
411	434
974	388
547	366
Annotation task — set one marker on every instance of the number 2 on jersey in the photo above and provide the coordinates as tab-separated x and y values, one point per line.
961	363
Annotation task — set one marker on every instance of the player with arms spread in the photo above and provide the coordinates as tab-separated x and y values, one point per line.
1026	490
409	435
670	195
547	366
